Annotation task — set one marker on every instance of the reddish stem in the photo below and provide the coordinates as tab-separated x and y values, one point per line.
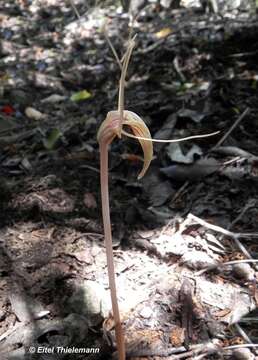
109	248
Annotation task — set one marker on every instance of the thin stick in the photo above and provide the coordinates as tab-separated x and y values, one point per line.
229	233
199	357
75	9
240	118
112	47
220	229
179	192
178	70
239	346
250	204
240	261
244	336
220	265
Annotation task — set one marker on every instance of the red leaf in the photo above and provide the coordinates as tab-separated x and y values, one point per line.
8	110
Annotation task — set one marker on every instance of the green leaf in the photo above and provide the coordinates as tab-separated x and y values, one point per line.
236	110
81	95
52	138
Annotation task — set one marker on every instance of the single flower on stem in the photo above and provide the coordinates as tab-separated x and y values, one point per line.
110	128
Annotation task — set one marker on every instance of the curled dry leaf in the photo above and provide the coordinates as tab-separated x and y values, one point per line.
89	201
34	114
54	98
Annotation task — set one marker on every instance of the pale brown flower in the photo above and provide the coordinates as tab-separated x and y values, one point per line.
109	129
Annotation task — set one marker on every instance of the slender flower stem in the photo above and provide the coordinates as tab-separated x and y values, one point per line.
109	248
109	129
106	134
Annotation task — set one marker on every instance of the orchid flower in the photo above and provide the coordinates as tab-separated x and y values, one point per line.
111	128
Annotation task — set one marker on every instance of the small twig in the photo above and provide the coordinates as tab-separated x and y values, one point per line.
231	161
221	230
175	353
165	227
11	330
152	46
16	138
199	357
240	118
90	168
75	9
211	226
239	346
221	265
164	352
178	70
244	336
250	204
233	151
179	192
112	47
240	261
234	236
239	55
248	320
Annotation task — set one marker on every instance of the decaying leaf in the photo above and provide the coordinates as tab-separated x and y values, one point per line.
81	95
163	33
34	114
52	138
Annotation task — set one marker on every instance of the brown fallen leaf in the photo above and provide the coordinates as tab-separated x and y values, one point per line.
163	33
222	313
84	255
89	201
177	336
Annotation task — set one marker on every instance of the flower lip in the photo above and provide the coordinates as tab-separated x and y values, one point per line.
140	129
110	128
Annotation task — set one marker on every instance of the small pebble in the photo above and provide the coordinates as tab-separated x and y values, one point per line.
243	271
146	312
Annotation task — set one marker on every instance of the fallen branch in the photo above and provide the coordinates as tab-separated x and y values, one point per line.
238	120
